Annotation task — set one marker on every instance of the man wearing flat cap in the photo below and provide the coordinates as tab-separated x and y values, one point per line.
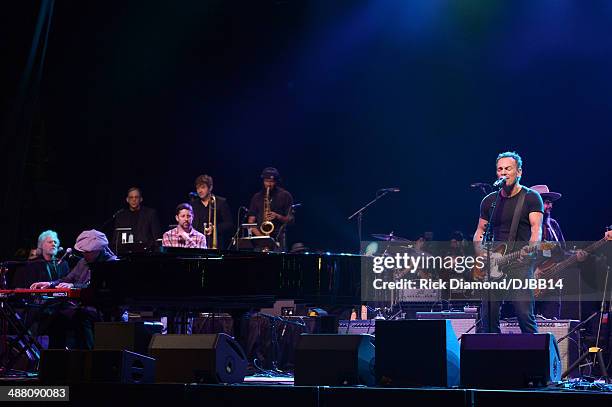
281	203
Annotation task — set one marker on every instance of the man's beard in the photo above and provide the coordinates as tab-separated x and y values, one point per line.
508	187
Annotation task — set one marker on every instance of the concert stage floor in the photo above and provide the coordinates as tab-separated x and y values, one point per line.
280	391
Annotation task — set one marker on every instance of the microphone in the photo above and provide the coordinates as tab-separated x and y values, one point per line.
500	182
193	195
67	254
297	205
480	185
389	190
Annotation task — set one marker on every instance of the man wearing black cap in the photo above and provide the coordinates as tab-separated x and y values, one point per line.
281	202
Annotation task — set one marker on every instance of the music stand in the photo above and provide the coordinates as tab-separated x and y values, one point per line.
257	243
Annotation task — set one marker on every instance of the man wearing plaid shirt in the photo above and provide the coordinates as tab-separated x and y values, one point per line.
184	235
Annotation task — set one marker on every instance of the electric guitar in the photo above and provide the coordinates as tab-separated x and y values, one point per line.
500	260
550	269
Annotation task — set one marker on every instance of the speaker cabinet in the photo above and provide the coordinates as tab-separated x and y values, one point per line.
132	336
60	366
334	360
490	361
214	358
416	353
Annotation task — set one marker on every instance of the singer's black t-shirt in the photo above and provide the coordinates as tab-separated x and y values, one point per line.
502	220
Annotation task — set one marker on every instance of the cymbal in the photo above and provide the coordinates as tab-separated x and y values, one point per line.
390	237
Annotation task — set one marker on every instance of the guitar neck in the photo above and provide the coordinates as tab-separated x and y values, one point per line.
573	259
512	257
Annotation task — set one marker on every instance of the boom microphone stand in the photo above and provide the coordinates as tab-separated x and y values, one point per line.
359	214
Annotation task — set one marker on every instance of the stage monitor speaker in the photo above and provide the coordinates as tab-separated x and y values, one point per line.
568	348
416	353
60	366
208	358
334	360
132	336
491	361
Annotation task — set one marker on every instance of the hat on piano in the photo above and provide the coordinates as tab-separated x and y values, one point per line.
91	241
545	193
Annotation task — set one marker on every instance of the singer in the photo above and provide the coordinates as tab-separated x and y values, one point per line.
512	201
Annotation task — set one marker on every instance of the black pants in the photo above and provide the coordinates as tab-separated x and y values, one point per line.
70	326
522	301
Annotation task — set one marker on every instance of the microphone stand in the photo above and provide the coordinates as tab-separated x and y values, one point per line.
594	351
488	239
112	218
359	214
234	242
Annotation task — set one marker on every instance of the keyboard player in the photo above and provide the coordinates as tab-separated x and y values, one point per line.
44	266
61	321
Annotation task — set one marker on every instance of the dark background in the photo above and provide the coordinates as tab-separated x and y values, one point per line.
343	97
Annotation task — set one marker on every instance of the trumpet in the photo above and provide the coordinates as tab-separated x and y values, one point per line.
266	226
212	210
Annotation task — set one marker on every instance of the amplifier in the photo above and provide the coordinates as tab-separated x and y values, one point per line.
462	322
356	326
568	348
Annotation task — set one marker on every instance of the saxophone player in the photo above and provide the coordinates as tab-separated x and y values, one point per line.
270	208
211	214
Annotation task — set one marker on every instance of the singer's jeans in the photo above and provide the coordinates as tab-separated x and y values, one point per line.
521	299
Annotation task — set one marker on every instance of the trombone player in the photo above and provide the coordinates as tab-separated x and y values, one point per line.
270	208
211	213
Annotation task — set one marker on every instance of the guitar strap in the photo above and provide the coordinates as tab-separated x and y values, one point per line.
516	218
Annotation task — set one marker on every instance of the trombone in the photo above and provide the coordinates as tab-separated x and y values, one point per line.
212	210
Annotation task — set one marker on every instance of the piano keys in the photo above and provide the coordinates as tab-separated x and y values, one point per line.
47	292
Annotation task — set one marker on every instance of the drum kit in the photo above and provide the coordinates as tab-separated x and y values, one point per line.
393	298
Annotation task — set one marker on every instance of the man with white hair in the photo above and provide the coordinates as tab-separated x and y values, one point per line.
44	266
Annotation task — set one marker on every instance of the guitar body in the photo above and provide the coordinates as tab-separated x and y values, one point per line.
540	271
480	273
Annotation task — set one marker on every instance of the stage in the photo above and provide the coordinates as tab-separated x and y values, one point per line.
281	391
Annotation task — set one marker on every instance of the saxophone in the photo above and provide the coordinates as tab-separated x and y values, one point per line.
267	226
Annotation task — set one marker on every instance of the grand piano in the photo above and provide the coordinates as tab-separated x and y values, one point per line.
192	278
